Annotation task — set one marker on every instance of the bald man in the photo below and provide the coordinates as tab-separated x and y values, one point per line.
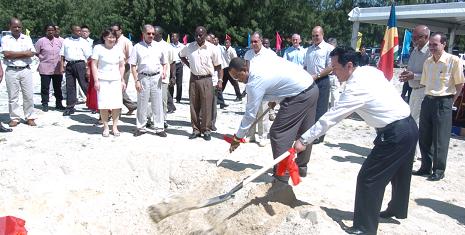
414	70
318	63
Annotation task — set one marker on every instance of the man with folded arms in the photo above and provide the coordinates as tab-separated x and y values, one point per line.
2	128
17	50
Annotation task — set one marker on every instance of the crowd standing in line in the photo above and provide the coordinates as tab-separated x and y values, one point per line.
300	82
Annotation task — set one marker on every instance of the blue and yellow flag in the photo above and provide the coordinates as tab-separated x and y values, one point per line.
389	46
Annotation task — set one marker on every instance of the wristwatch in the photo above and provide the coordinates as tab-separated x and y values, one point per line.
317	75
303	141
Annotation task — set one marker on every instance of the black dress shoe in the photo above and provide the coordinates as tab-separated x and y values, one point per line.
170	111
139	133
45	107
388	214
207	137
238	99
59	107
317	141
222	106
161	134
436	176
353	230
165	125
68	112
422	172
4	129
194	135
303	171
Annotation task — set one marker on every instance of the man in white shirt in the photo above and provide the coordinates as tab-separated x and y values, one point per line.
2	128
75	52
371	96
18	50
148	65
85	33
228	54
263	126
177	72
318	64
126	46
276	79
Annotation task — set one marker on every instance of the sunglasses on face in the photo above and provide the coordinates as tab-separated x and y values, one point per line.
150	33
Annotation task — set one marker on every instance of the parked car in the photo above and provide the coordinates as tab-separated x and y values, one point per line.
375	54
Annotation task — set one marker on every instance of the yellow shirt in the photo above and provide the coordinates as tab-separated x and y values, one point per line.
440	78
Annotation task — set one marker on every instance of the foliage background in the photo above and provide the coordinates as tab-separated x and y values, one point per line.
235	17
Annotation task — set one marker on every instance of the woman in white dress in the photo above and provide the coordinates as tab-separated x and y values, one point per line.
108	70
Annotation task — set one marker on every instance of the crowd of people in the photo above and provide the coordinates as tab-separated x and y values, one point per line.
302	82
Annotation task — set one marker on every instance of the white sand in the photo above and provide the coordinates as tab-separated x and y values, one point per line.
63	177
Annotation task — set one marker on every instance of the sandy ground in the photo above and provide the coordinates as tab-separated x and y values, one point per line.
63	177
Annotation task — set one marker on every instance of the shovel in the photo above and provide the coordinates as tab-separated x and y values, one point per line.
163	210
253	124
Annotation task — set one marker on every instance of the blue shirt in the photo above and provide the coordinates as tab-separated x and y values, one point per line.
271	78
295	55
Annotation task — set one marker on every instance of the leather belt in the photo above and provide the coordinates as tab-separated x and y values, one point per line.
150	74
418	87
71	62
392	124
18	67
198	77
439	97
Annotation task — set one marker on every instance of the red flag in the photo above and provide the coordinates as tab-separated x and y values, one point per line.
389	46
278	42
288	164
228	37
184	39
10	225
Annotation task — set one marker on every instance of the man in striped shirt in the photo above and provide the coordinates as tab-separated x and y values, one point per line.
443	79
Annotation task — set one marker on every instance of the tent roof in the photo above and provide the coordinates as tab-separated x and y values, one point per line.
439	17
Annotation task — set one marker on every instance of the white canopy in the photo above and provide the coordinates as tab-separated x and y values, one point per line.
448	18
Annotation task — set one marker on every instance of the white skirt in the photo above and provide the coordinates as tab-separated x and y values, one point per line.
110	95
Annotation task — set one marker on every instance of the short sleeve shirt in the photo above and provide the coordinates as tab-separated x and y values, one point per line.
440	78
202	59
108	62
149	58
49	55
317	58
23	43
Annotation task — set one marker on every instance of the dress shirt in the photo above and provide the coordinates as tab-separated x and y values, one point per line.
271	78
177	48
202	59
223	64
317	57
89	41
440	78
415	64
125	45
23	43
148	58
250	54
228	55
370	95
169	50
108	62
75	49
48	52
295	55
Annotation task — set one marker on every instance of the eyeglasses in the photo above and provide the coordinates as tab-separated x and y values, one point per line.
255	41
150	33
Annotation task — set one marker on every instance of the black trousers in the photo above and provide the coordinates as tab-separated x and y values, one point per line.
76	71
178	74
45	88
435	127
391	160
296	115
324	85
234	83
